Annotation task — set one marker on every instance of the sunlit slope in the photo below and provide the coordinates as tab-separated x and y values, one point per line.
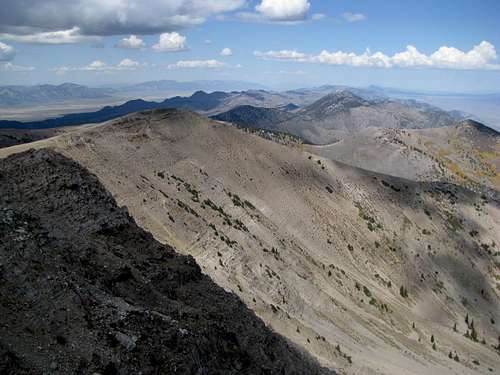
467	154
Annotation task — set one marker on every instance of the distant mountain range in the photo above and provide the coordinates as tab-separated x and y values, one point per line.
339	114
200	101
313	116
205	85
52	94
39	94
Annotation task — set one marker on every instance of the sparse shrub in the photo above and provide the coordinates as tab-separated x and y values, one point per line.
403	292
367	291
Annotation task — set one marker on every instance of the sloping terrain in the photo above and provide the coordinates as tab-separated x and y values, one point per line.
342	113
467	153
255	117
371	274
84	290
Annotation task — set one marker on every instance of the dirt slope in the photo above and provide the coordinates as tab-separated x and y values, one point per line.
467	154
358	268
84	290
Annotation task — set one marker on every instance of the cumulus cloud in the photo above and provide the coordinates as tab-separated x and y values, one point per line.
171	42
6	52
192	64
226	52
68	36
481	57
353	17
128	64
33	18
280	11
283	10
9	67
100	66
132	42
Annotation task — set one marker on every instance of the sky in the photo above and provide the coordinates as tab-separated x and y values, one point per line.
445	45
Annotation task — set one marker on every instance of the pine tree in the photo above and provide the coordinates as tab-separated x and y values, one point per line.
450	355
434	346
467	319
455	327
456	358
432	338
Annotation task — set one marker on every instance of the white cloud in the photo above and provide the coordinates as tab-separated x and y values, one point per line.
283	10
9	67
481	57
100	66
30	18
226	52
286	12
96	65
132	42
208	41
353	17
68	36
171	42
6	52
128	64
282	55
191	64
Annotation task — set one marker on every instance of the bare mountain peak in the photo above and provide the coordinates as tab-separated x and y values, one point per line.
339	100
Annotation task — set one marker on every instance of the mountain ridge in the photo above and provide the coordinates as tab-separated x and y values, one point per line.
346	263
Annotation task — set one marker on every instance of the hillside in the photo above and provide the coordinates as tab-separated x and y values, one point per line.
467	153
85	290
12	137
362	270
255	117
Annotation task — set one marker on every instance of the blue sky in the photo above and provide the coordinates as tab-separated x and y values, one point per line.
274	42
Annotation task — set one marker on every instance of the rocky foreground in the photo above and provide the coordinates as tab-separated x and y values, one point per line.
84	290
